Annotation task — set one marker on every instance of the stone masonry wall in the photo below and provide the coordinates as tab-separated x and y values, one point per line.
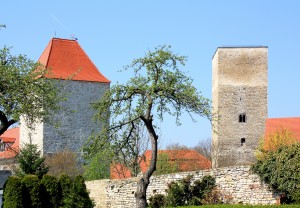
235	183
73	122
239	87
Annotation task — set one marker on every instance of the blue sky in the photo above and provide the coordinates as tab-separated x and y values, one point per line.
113	33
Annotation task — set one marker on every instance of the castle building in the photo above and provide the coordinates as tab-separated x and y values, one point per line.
239	96
82	84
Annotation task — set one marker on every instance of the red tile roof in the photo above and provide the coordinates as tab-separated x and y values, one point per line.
67	60
10	135
292	124
188	160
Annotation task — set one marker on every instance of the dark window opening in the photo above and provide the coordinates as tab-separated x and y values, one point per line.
243	141
242	118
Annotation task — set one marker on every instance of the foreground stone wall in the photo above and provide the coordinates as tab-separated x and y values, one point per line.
236	184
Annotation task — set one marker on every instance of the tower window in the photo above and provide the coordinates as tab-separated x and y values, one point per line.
243	141
242	118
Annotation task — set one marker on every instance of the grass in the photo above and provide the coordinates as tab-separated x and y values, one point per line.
243	206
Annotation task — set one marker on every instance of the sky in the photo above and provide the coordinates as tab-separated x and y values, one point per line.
113	33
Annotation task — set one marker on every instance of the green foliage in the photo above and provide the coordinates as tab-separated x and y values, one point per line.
280	169
157	201
30	161
98	167
184	192
12	196
164	165
31	193
158	87
47	192
82	199
50	192
67	191
23	91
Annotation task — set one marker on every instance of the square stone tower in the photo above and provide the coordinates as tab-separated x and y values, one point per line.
239	101
82	84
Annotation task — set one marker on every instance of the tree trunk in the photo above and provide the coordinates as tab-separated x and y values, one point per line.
142	185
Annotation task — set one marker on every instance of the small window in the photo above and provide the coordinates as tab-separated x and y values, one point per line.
242	118
243	141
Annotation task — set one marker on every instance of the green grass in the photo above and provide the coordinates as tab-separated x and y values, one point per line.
242	206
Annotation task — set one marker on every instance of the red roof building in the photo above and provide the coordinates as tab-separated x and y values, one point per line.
67	60
9	143
187	160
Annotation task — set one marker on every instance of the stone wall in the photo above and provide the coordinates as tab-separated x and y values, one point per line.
235	183
73	124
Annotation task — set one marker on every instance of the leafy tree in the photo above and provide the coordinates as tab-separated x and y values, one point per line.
157	88
64	161
280	169
271	142
23	91
164	164
98	167
30	161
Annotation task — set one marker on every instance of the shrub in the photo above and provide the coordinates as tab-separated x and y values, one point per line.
12	196
30	161
31	191
157	201
280	169
184	192
64	161
82	199
50	192
67	191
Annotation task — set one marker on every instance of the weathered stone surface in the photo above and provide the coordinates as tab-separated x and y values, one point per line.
239	88
74	120
120	193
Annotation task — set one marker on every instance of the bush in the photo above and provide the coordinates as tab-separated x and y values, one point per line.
186	193
50	192
157	201
280	169
30	161
31	193
64	161
12	196
82	199
67	192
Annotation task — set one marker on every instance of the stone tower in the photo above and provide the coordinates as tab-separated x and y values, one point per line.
82	84
239	96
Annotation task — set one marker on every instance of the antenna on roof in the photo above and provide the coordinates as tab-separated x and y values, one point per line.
73	37
54	33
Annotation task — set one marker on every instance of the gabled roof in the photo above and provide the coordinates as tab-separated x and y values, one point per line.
292	124
10	135
188	160
67	60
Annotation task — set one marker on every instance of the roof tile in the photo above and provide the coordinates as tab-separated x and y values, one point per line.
67	60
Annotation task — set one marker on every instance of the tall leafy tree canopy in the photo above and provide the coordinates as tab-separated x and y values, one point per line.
23	91
158	87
